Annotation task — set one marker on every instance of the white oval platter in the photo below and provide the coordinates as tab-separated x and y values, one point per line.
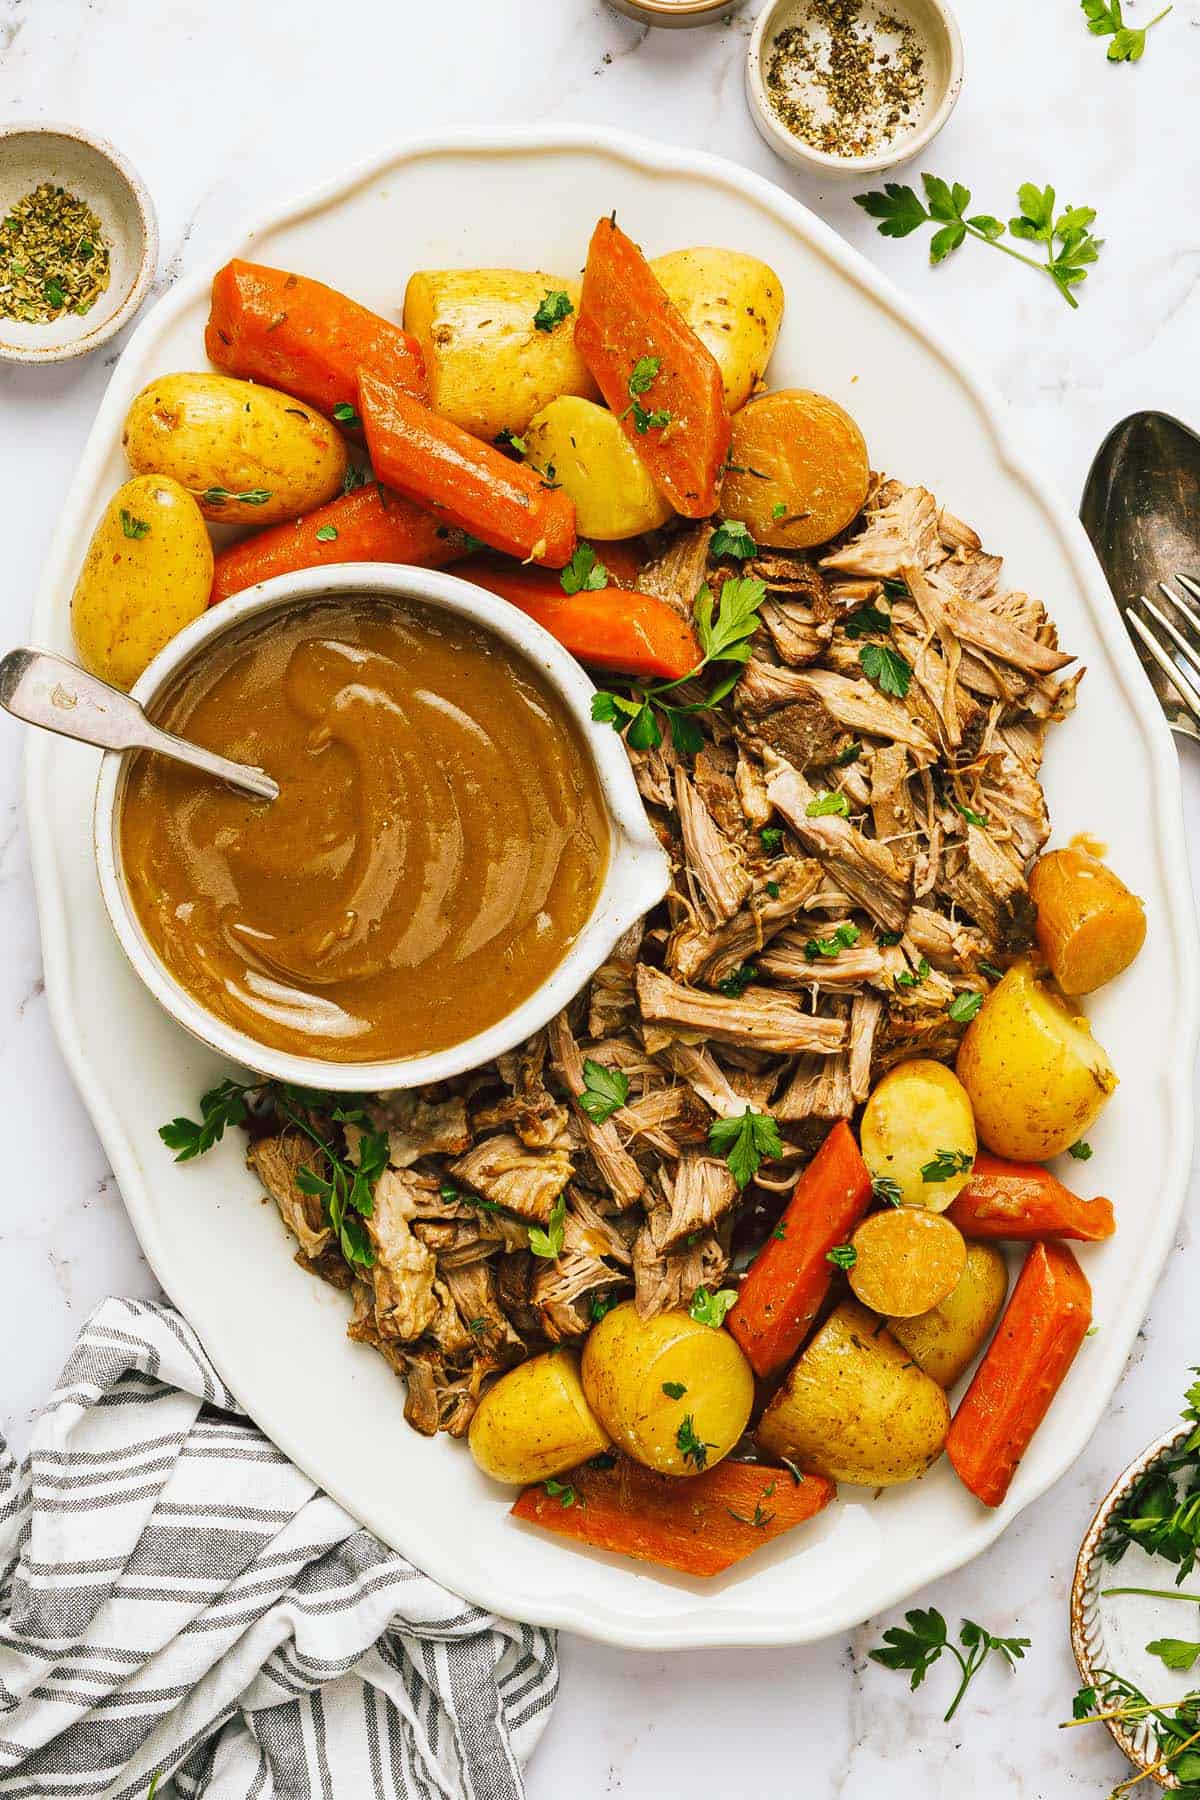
529	198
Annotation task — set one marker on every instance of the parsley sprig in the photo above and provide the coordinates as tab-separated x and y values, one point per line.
604	1091
746	1143
927	1638
1066	236
553	309
1162	1513
1128	41
583	574
549	1243
724	637
695	1450
1176	1727
710	1309
641	380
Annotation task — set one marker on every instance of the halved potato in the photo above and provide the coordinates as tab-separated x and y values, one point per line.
918	1130
1036	1076
535	1422
673	1393
854	1406
490	367
946	1340
581	446
734	304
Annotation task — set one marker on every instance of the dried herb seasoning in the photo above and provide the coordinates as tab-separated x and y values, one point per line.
848	79
53	257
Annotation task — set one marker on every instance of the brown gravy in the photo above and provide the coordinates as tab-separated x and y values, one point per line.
440	840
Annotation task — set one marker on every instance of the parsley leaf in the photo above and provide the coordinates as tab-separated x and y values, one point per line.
1176	1653
738	980
867	621
326	534
583	574
827	803
1069	245
549	1243
345	414
911	978
602	1304
604	1091
963	1008
1081	1151
554	308
645	374
844	938
219	496
563	1492
842	1256
133	528
771	837
946	1164
674	1390
642	379
732	538
746	1143
693	1448
1128	41
221	1107
972	818
726	637
886	668
926	1639
711	1309
849	755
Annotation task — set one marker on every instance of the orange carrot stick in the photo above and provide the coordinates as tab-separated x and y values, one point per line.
790	1276
627	323
1044	1323
306	338
700	1524
369	525
611	628
466	481
1023	1200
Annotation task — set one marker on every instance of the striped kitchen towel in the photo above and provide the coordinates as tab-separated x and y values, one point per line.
178	1601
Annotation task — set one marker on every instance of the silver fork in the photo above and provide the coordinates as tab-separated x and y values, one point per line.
1168	643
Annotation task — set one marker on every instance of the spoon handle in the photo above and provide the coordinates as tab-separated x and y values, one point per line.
47	690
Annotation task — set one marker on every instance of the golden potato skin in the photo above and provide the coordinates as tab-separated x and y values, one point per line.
918	1109
490	368
210	431
734	304
1089	926
626	1360
946	1340
535	1422
814	460
855	1407
907	1259
137	587
1036	1076
594	462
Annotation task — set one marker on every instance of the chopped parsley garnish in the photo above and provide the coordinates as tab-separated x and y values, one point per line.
746	1143
602	1304
885	1190
549	1243
710	1309
886	668
553	309
355	478
842	1256
508	440
326	534
844	938
604	1091
1081	1151
771	838
732	538
738	980
563	1492
674	1390
991	971
963	1008
779	509
849	755
133	528
693	1448
761	1518
868	621
946	1164
828	804
911	978
345	414
773	889
583	574
887	940
219	496
972	818
642	379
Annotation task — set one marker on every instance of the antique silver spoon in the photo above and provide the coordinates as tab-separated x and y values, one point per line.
49	691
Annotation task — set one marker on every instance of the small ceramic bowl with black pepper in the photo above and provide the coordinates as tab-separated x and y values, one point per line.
847	88
78	242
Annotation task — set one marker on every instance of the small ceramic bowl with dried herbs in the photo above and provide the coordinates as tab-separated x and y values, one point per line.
847	88
78	242
1135	1631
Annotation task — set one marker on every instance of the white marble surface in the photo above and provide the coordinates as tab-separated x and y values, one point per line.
226	110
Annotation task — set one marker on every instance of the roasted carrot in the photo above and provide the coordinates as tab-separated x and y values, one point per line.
790	1276
465	481
700	1524
1044	1323
654	372
1023	1200
306	338
369	525
610	628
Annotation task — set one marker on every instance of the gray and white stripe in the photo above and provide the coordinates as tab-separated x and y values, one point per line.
177	1599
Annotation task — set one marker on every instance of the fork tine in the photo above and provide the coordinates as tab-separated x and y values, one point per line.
1190	651
1192	617
1174	674
1189	585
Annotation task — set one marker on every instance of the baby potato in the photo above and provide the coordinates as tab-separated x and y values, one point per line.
490	367
734	304
146	575
799	452
946	1340
918	1130
906	1260
855	1407
594	462
250	455
1089	926
1037	1078
672	1393
535	1422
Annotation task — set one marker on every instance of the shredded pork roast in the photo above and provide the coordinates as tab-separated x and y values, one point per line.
926	869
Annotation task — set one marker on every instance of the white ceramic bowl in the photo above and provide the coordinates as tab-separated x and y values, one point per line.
937	30
92	169
637	876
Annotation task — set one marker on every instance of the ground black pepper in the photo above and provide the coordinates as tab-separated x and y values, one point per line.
848	79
